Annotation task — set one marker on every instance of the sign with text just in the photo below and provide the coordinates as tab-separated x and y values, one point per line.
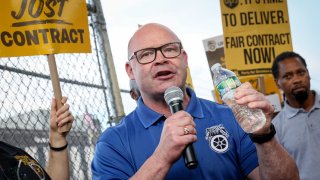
34	27
255	31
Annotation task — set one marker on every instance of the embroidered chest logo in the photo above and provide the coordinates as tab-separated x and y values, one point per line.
217	136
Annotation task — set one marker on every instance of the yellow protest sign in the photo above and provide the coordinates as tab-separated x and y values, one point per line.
34	27
255	31
263	83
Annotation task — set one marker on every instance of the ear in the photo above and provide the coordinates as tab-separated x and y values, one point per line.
309	77
129	70
185	57
276	81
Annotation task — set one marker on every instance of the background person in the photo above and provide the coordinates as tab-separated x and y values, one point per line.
15	163
134	90
148	142
298	124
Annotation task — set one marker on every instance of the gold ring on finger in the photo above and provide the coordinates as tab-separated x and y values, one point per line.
186	131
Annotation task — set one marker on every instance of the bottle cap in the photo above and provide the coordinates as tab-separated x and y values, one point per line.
216	65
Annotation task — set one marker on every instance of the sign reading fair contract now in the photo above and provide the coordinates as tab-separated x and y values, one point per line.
34	27
255	32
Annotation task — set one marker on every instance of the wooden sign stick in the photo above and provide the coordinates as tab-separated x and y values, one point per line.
56	87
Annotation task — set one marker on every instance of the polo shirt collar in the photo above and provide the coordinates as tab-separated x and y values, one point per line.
194	106
148	116
290	111
316	100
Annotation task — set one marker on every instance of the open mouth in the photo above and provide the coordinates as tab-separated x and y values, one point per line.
163	74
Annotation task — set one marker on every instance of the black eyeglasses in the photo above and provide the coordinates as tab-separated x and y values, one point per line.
148	55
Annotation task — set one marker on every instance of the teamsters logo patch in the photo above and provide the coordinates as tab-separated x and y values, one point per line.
217	137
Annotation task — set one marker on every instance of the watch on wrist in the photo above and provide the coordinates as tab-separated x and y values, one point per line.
263	137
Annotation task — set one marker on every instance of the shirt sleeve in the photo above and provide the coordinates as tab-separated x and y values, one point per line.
111	159
248	154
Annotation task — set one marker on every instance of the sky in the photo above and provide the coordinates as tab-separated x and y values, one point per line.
194	21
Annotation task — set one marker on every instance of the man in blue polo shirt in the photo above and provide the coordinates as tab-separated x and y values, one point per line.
148	143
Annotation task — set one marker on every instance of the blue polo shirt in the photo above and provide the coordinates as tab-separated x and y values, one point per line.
223	149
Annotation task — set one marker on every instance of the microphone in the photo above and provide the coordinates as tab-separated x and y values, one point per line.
174	98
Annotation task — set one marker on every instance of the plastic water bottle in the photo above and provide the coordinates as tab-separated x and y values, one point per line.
226	83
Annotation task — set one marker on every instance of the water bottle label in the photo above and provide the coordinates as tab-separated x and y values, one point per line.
227	85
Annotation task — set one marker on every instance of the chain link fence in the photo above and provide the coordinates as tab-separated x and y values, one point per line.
26	93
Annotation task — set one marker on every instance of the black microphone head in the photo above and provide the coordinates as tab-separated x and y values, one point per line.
172	94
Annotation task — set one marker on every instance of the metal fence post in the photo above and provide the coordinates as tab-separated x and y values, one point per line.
100	25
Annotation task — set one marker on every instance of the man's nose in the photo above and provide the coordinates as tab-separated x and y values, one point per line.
297	79
159	56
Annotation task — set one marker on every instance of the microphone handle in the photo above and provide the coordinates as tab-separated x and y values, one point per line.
176	106
190	158
189	155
